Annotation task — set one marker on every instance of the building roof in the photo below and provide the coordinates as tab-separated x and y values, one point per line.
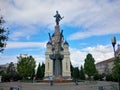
111	59
66	43
106	61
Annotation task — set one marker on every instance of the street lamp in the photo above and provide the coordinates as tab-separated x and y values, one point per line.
113	44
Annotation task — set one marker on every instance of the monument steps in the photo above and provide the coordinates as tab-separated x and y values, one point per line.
59	79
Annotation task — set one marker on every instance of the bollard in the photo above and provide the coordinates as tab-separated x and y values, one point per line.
101	88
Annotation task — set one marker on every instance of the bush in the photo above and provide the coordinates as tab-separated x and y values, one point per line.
109	77
9	77
5	77
96	76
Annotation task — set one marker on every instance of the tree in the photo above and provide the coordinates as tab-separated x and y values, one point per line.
3	35
71	69
116	69
89	66
26	66
82	74
11	69
38	74
40	71
43	69
76	73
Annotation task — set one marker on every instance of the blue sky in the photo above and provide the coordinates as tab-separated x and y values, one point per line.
88	27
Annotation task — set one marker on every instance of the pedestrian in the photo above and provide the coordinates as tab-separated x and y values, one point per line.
76	82
51	80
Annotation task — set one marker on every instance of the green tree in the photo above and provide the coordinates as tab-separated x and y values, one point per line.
40	71
89	66
82	74
76	73
116	70
71	69
43	70
26	66
38	74
11	69
3	35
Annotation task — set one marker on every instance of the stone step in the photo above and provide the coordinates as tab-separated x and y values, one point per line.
58	81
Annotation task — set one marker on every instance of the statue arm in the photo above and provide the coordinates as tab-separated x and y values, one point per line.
54	16
50	37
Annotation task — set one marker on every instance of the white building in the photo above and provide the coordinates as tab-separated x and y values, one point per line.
5	67
105	67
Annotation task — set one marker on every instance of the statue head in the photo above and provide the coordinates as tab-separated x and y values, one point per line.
57	12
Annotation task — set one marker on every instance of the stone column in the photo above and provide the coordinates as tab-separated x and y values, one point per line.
57	48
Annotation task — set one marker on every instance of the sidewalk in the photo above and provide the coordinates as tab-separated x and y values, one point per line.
93	85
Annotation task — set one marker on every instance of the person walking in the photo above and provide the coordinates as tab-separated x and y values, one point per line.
51	80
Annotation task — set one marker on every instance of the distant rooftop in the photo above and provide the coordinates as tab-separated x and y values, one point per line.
106	61
111	59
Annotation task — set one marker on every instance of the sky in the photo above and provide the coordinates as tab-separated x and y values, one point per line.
88	26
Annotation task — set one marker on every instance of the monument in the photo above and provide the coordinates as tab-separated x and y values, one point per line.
57	54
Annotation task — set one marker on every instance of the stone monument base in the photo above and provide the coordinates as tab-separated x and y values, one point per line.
59	79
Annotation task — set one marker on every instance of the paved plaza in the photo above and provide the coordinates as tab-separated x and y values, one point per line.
91	85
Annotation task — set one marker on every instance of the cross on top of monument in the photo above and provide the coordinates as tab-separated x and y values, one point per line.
58	18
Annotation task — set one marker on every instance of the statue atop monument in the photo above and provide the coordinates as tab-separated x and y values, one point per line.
58	18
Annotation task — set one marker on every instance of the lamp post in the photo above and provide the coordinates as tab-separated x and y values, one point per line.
113	44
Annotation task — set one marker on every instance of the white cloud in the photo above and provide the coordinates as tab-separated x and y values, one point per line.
77	57
26	12
39	59
27	48
99	53
7	59
13	58
94	16
24	32
11	45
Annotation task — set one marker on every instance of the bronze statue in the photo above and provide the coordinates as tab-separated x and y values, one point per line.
58	18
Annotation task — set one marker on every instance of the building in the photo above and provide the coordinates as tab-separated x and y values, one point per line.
4	68
105	67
